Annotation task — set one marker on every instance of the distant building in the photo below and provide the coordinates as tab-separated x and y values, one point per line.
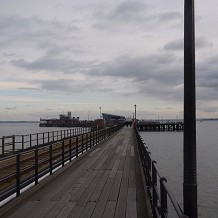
111	119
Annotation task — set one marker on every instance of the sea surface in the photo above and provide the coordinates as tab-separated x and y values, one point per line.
7	129
167	149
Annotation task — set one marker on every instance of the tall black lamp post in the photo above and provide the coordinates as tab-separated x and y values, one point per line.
135	116
100	112
190	171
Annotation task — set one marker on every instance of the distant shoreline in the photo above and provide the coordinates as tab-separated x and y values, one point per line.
198	119
19	121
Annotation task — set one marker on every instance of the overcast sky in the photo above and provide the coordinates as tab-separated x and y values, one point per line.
68	55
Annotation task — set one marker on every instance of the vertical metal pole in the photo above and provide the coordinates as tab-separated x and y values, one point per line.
154	185
70	148
62	153
82	144
190	172
3	145
22	142
163	195
135	116
37	139
43	138
50	158
36	165
30	140
77	146
18	174
13	142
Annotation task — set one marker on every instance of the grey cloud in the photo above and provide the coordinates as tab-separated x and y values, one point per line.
128	10
207	109
34	30
71	86
170	16
134	15
10	108
29	88
178	44
207	78
155	67
9	54
48	64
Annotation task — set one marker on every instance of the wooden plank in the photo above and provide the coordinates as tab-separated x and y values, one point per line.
114	169
76	196
68	207
100	206
71	185
116	187
109	209
132	151
87	212
122	199
97	192
56	209
101	162
122	161
89	190
131	210
94	152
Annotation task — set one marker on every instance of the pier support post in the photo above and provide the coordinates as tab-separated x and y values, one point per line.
190	174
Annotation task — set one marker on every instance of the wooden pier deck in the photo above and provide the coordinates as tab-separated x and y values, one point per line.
104	182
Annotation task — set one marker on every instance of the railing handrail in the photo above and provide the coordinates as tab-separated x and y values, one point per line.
35	139
151	173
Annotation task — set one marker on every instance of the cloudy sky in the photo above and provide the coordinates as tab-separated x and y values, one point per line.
68	55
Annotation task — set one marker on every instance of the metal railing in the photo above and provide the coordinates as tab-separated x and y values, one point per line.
158	189
12	144
26	167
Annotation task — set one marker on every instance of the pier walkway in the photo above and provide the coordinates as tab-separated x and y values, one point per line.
106	181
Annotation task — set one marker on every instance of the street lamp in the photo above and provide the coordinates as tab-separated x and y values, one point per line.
100	112
135	115
190	169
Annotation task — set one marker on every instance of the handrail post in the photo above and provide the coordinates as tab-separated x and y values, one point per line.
3	145
90	139
62	153
37	139
82	144
77	146
13	143
70	149
43	136
36	166
30	140
22	142
18	174
154	184
163	195
50	158
86	141
48	137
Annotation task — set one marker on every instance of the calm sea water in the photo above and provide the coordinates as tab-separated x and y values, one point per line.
167	149
7	129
